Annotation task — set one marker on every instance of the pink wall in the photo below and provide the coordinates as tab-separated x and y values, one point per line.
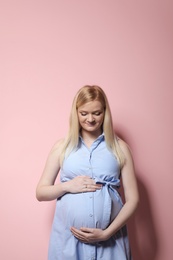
49	49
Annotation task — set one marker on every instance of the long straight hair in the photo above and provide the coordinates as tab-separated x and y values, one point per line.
84	95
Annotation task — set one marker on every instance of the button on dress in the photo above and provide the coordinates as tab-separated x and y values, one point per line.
89	209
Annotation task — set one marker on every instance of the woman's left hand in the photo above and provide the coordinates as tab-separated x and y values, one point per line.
89	235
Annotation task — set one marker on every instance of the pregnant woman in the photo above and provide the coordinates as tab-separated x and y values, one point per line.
90	218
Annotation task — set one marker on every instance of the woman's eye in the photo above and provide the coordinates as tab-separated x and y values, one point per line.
97	114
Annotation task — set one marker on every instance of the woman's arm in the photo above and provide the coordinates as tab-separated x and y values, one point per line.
46	189
91	235
130	191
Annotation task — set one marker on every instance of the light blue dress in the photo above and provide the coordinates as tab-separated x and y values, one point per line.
89	209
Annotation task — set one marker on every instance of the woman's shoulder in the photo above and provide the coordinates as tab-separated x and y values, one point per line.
58	143
126	150
57	147
123	145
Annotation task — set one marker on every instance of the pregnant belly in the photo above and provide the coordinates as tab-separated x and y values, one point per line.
91	209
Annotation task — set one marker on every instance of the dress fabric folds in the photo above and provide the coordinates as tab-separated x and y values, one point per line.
89	209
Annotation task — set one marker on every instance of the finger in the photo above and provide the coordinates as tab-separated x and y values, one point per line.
94	186
79	234
86	230
76	231
99	186
86	178
82	232
88	187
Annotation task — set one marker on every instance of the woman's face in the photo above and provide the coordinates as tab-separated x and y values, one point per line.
91	116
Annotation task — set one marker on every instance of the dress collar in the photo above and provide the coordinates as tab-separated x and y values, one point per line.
95	143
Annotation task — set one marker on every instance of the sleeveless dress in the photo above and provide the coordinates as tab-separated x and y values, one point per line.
90	209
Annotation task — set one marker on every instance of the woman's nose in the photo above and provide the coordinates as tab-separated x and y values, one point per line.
90	118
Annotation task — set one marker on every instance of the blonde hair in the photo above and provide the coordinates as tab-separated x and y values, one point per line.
86	94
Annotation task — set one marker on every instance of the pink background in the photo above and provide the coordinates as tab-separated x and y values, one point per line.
48	50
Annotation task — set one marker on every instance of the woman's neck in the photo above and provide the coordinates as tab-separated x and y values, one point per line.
90	137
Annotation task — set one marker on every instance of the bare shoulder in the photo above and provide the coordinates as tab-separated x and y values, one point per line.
125	148
57	147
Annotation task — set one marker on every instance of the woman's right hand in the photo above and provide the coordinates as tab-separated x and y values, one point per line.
81	184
